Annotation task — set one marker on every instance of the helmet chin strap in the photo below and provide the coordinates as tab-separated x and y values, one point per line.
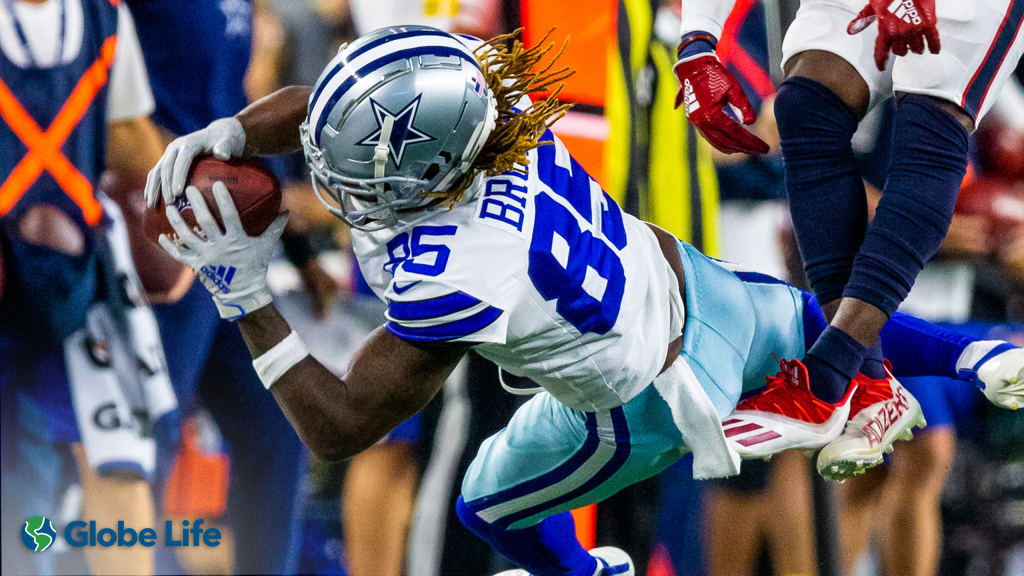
380	151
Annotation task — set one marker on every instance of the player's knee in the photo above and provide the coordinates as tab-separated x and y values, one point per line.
834	73
787	104
48	226
954	110
812	118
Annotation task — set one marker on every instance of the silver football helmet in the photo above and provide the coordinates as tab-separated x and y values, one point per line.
398	113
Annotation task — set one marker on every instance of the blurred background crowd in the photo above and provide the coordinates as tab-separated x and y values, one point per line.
951	501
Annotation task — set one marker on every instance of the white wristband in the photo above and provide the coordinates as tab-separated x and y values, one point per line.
273	363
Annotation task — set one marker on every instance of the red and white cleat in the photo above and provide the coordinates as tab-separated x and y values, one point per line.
785	416
882	412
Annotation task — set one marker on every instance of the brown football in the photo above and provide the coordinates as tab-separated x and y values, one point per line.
254	189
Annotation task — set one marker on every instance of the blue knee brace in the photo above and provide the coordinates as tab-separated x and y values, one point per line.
929	160
826	193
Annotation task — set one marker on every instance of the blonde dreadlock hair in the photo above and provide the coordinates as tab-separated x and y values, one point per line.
512	72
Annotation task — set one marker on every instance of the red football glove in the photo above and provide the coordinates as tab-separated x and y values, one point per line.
903	25
706	89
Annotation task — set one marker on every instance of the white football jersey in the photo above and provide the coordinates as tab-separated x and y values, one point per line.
543	273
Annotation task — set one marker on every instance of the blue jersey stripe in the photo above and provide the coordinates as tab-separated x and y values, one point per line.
364	49
617	461
449	331
431	307
551	478
377	64
979	85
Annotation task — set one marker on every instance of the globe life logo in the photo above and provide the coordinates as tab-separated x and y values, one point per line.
80	533
38	534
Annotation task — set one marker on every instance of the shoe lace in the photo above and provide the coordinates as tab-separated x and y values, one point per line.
779	388
788	374
785	389
870	391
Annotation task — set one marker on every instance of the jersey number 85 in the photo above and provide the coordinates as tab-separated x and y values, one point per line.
579	268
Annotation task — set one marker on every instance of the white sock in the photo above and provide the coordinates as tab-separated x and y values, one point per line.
974	352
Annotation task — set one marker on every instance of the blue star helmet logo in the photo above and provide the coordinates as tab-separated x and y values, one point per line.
403	132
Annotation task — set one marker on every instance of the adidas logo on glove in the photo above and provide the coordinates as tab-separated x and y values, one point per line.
905	10
689	98
220	276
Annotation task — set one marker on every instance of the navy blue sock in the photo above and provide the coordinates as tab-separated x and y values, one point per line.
929	159
826	192
815	324
832	362
874	361
919	348
549	548
913	346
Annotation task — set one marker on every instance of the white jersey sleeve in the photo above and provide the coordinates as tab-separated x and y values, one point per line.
705	15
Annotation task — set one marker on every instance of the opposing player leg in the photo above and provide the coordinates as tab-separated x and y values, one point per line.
981	46
831	83
940	97
550	459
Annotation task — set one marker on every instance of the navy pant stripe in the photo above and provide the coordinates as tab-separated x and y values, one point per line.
550	478
983	77
618	459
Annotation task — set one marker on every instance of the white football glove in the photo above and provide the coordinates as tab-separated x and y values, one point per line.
1003	376
998	370
225	138
231	264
